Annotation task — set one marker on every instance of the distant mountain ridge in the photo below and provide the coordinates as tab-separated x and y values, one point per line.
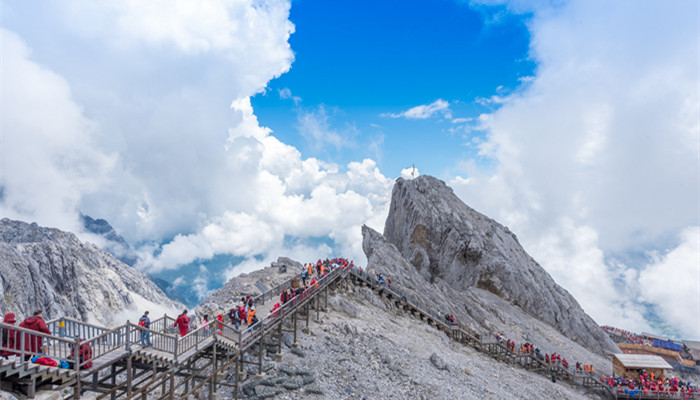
51	270
116	244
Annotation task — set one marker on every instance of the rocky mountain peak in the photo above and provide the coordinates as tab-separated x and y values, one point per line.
451	245
51	270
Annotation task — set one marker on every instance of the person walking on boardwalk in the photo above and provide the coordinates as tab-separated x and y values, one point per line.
145	322
36	323
9	337
182	322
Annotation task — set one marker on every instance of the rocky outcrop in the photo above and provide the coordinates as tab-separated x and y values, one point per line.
115	244
437	240
222	300
51	270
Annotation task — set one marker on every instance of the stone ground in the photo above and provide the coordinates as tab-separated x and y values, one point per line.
363	349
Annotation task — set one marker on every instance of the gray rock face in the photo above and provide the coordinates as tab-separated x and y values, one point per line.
436	239
51	270
222	300
116	245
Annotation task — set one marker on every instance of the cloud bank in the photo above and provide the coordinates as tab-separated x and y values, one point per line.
597	156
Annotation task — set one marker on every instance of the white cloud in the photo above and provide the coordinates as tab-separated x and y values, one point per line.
182	168
426	111
155	85
410	173
49	156
314	124
286	93
289	197
461	120
596	158
672	283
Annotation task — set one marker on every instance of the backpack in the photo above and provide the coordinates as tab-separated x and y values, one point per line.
242	314
142	322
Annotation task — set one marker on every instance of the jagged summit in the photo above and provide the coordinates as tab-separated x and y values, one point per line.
438	241
116	245
48	269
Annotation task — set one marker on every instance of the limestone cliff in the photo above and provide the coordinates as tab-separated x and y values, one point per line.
444	242
51	270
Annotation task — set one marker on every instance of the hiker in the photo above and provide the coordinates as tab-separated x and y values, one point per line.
8	336
44	359
205	322
248	303
220	324
182	322
33	343
251	315
145	322
274	313
84	353
235	317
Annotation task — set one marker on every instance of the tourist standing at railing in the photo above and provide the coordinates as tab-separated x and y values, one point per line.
182	322
145	322
205	322
8	337
36	323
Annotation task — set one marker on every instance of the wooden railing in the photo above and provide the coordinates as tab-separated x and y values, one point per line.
70	328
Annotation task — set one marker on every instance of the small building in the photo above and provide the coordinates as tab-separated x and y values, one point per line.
631	365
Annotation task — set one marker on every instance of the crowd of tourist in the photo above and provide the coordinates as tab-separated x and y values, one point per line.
631	337
650	385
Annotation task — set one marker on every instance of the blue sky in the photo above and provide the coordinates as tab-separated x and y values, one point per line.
363	60
218	137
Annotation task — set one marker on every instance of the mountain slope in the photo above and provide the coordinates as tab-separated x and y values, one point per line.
443	241
51	270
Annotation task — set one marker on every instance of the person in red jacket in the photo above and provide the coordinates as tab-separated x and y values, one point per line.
84	354
182	322
33	343
8	337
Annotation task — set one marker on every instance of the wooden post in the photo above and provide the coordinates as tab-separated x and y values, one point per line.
318	306
76	366
260	353
129	373
187	381
212	384
238	365
114	381
279	339
294	316
171	395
